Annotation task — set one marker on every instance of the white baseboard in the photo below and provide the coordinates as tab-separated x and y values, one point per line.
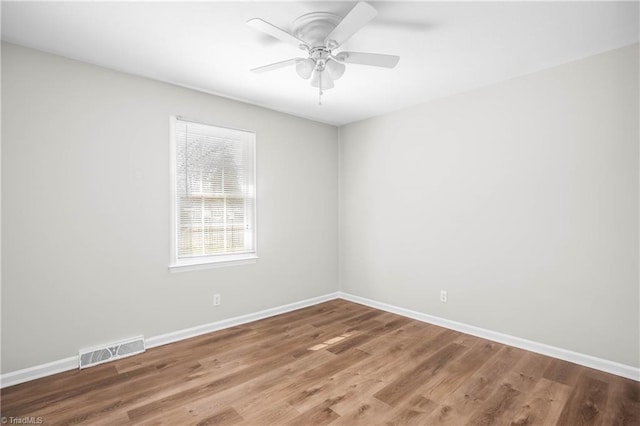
541	348
175	336
38	371
71	363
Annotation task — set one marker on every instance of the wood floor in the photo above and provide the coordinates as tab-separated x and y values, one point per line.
339	363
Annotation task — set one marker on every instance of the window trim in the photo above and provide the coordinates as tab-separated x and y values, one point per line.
204	262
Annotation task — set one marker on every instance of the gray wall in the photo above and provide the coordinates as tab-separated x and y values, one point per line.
85	187
519	199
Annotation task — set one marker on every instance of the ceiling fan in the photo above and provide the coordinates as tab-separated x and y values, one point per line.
320	34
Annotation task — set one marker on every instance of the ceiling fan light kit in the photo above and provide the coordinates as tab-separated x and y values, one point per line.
305	67
319	34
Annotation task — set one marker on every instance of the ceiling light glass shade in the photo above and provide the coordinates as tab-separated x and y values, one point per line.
322	80
305	67
335	69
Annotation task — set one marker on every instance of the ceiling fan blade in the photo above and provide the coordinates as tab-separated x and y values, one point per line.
276	65
373	59
274	31
355	19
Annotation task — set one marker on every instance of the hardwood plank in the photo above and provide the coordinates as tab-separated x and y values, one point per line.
585	406
368	367
154	387
49	387
321	414
278	414
363	318
624	403
365	412
177	416
542	406
496	406
339	314
319	382
96	402
528	371
275	359
227	416
355	390
278	386
414	413
367	378
457	372
457	407
562	372
357	340
411	334
406	384
265	396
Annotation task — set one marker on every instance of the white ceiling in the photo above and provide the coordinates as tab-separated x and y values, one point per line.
444	47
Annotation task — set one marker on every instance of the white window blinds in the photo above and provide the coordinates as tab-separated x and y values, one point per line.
214	193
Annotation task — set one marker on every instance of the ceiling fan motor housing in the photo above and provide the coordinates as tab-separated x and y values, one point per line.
314	27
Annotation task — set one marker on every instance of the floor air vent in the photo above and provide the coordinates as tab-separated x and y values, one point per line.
111	352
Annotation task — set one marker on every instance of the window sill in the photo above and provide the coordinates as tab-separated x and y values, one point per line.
209	264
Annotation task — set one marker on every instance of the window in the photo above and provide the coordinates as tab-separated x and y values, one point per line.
213	195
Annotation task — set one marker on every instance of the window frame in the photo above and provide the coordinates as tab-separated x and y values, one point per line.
177	264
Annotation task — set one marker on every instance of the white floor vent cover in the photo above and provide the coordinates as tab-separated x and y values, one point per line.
111	352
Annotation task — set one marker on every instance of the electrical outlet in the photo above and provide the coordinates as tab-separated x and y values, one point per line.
216	300
443	295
